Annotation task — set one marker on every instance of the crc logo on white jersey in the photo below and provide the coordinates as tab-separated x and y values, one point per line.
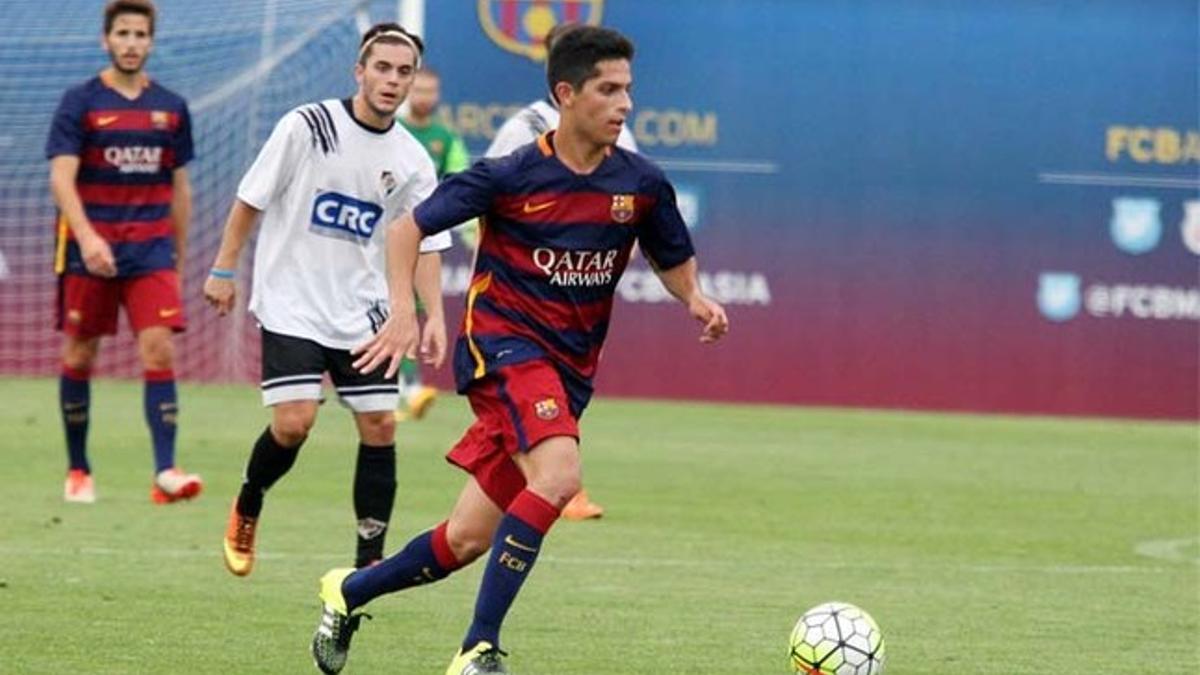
134	158
1135	226
344	217
577	268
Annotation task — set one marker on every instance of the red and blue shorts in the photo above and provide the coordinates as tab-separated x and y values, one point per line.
516	407
88	305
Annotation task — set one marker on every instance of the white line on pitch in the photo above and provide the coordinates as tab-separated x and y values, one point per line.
1002	568
1171	549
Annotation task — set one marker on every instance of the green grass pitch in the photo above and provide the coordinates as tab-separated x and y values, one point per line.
980	544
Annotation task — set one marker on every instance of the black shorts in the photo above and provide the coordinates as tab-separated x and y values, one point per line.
292	370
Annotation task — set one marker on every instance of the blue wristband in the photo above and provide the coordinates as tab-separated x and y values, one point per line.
218	273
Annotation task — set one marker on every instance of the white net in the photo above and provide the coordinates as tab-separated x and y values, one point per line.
241	65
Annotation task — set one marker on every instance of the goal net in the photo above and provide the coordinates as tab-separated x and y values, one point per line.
241	65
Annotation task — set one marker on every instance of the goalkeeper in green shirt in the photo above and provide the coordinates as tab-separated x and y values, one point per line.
449	155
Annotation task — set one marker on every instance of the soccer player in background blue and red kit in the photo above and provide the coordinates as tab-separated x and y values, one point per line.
559	218
117	149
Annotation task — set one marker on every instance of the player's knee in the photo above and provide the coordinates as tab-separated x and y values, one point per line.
467	543
80	354
291	427
556	475
378	428
564	489
158	352
557	486
290	433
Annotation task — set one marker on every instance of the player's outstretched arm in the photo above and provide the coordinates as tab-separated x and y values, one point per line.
398	336
220	288
181	214
682	282
97	254
428	281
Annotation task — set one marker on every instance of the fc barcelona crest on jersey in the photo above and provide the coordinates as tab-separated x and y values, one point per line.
546	409
622	208
159	119
520	26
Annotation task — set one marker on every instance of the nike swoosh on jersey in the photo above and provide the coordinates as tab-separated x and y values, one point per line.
106	120
168	312
518	545
534	208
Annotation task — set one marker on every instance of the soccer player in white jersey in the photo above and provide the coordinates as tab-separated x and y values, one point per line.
524	128
532	121
328	180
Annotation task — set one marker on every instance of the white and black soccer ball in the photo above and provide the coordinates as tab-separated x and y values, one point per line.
837	638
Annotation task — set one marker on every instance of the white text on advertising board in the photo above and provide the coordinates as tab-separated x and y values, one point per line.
653	127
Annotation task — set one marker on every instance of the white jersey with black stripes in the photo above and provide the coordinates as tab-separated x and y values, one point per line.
328	186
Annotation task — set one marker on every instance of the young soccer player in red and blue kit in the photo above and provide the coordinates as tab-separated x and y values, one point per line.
118	146
559	218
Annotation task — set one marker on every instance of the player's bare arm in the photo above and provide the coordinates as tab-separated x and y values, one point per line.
97	254
220	289
399	334
682	283
428	281
181	214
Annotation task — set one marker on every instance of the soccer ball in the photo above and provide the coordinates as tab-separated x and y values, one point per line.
837	639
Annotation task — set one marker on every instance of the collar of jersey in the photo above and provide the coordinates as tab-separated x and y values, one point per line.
143	81
545	143
348	104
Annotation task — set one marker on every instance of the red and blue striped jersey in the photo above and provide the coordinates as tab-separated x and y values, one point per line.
128	151
553	245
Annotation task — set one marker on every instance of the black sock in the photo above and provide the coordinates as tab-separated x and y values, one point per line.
374	495
268	462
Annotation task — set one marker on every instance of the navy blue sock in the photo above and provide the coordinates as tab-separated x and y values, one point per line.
161	411
426	559
75	400
514	550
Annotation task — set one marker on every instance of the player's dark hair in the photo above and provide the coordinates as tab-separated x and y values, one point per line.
115	8
575	53
556	32
379	34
